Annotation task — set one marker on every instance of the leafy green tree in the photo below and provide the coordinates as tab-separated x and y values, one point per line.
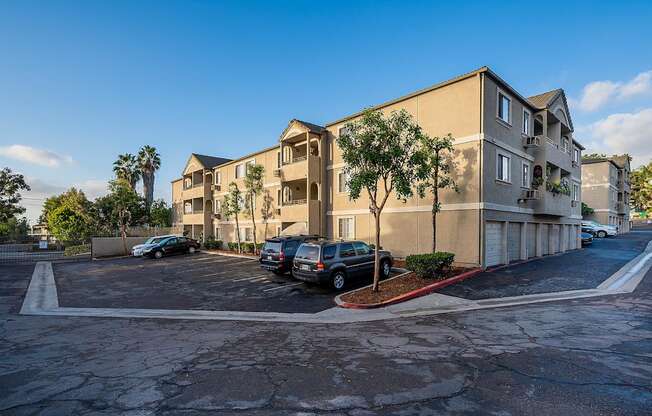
590	156
253	183
127	167
55	201
586	210
232	206
380	155
149	161
10	186
70	216
266	210
14	229
435	170
106	208
125	202
641	186
160	215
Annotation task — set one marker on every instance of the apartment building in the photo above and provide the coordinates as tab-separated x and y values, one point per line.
606	189
517	166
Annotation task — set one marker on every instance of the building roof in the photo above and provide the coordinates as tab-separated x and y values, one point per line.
315	128
600	160
542	101
210	162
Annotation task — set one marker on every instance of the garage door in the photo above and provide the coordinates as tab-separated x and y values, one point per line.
531	240
554	239
544	239
493	246
572	237
514	241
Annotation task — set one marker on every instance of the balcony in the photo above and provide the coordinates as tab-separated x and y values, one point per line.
294	210
195	191
532	141
621	207
558	205
546	151
295	169
196	217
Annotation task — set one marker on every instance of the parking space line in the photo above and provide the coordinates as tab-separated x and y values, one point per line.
250	277
284	286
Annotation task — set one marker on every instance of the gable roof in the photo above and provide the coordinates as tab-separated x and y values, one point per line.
544	100
311	127
210	161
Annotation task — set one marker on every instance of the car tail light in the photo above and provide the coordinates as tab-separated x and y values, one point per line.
281	256
320	266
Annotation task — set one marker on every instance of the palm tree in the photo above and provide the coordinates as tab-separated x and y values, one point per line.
150	162
126	167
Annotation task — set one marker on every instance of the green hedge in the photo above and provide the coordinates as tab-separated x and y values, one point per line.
232	246
429	265
75	250
212	243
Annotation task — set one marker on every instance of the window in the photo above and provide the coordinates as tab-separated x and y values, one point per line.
218	233
308	252
343	131
576	154
187	208
248	165
526	122
347	250
291	248
246	234
345	227
502	169
329	252
218	206
525	175
218	178
187	183
504	108
278	197
576	192
361	248
342	187
564	144
278	160
239	171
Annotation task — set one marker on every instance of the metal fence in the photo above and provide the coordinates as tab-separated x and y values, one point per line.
27	254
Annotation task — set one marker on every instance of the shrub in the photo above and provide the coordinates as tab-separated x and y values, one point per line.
259	246
75	250
429	265
219	244
211	243
248	247
232	246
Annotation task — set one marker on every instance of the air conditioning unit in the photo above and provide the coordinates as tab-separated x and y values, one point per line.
217	216
531	141
574	163
277	173
277	211
531	194
216	188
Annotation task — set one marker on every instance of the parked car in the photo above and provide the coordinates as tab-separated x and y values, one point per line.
599	230
338	262
137	250
278	253
171	245
587	239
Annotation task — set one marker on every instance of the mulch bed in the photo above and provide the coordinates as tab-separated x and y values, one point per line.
212	250
389	289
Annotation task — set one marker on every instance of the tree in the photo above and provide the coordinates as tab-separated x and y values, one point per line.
126	168
70	216
590	156
232	206
149	161
380	154
435	169
253	183
10	186
14	229
266	211
106	209
160	215
124	202
586	210
641	186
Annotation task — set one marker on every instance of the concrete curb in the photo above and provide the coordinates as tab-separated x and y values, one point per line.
239	256
405	296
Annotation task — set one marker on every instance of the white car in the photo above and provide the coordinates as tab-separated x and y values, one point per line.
137	250
600	230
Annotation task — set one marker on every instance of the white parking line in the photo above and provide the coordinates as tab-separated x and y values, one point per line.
283	287
251	277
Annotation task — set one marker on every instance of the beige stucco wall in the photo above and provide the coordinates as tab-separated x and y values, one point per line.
113	246
177	202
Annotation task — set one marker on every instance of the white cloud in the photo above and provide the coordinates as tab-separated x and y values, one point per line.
622	133
33	155
596	94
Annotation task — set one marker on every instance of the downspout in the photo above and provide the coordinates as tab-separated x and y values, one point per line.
481	244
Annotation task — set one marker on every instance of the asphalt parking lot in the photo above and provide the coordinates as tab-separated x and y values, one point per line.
201	281
579	269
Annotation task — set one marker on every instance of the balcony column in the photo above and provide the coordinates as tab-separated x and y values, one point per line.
524	253
503	243
539	240
545	123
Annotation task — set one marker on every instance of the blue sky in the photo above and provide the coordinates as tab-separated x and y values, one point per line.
81	82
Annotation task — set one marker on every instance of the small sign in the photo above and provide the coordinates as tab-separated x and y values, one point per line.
43	245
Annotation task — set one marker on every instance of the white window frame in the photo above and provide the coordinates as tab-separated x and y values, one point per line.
339	235
339	131
240	166
576	154
218	178
185	204
509	167
575	191
341	186
565	144
528	180
218	233
509	112
526	129
218	206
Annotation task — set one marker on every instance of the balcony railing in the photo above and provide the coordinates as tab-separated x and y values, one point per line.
532	141
189	212
194	185
295	202
296	160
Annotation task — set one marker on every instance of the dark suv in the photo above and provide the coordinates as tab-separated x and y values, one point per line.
278	252
337	262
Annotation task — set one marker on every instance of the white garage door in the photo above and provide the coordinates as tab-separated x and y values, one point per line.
554	239
544	239
493	245
514	241
531	240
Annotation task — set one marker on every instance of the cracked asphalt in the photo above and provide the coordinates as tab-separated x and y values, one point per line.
581	357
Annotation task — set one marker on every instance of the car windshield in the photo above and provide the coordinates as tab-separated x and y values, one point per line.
307	252
153	240
272	247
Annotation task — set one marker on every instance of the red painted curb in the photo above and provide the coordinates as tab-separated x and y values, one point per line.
409	295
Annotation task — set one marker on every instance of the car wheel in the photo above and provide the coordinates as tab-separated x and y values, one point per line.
385	268
339	280
191	250
602	234
158	254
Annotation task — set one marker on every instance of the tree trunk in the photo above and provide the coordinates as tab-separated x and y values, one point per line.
237	232
123	234
253	221
376	253
435	203
265	229
148	188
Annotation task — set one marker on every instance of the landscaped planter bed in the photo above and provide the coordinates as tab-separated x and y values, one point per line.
401	288
232	253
